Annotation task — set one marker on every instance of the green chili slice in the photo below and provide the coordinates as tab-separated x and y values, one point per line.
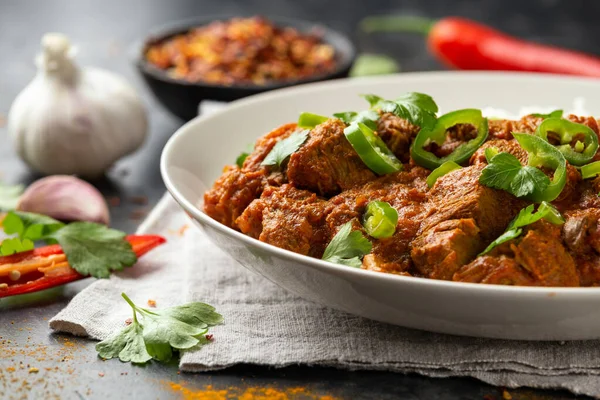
371	149
380	219
309	120
577	142
590	170
438	135
543	154
440	171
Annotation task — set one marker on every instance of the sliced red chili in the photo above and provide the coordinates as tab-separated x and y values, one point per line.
47	266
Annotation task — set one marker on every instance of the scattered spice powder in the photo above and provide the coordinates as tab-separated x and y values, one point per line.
182	230
101	374
33	370
151	303
209	337
128	321
248	393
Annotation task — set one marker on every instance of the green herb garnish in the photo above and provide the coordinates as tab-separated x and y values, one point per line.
91	249
285	148
505	172
347	247
418	108
157	333
526	217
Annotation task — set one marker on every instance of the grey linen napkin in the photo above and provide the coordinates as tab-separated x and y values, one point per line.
265	325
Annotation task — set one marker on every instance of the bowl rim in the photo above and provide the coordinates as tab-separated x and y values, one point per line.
347	50
189	127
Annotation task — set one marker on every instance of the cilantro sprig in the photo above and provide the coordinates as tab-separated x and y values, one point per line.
526	217
285	148
91	249
505	172
418	108
347	247
157	334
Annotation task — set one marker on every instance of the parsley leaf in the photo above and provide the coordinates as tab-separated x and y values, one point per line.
93	249
347	247
284	148
418	108
158	332
9	196
526	217
553	114
505	172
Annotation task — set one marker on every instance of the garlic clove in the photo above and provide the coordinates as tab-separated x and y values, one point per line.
65	198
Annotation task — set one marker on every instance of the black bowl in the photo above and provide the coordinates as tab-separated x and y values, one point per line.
182	97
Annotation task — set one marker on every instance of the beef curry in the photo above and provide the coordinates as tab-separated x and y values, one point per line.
398	189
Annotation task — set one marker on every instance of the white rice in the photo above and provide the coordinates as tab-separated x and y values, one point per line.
578	108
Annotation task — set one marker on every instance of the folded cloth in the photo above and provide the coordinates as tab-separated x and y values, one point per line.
265	325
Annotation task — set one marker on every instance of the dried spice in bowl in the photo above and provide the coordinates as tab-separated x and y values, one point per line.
243	51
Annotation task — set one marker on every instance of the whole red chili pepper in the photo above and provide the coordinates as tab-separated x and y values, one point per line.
465	44
47	266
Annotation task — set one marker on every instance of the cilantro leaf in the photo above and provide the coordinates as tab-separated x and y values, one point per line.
418	108
527	180
347	247
284	148
28	225
93	249
526	217
552	114
15	245
158	333
373	64
9	196
505	237
500	171
505	172
128	345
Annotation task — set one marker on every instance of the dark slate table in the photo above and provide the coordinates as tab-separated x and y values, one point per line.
103	32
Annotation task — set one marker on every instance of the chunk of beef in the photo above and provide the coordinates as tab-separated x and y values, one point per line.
405	191
232	193
503	146
236	188
581	234
288	218
326	163
398	134
500	270
444	248
537	258
462	217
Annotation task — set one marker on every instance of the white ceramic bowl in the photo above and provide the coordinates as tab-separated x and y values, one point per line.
195	155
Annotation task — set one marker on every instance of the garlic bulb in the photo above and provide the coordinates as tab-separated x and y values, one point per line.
72	120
